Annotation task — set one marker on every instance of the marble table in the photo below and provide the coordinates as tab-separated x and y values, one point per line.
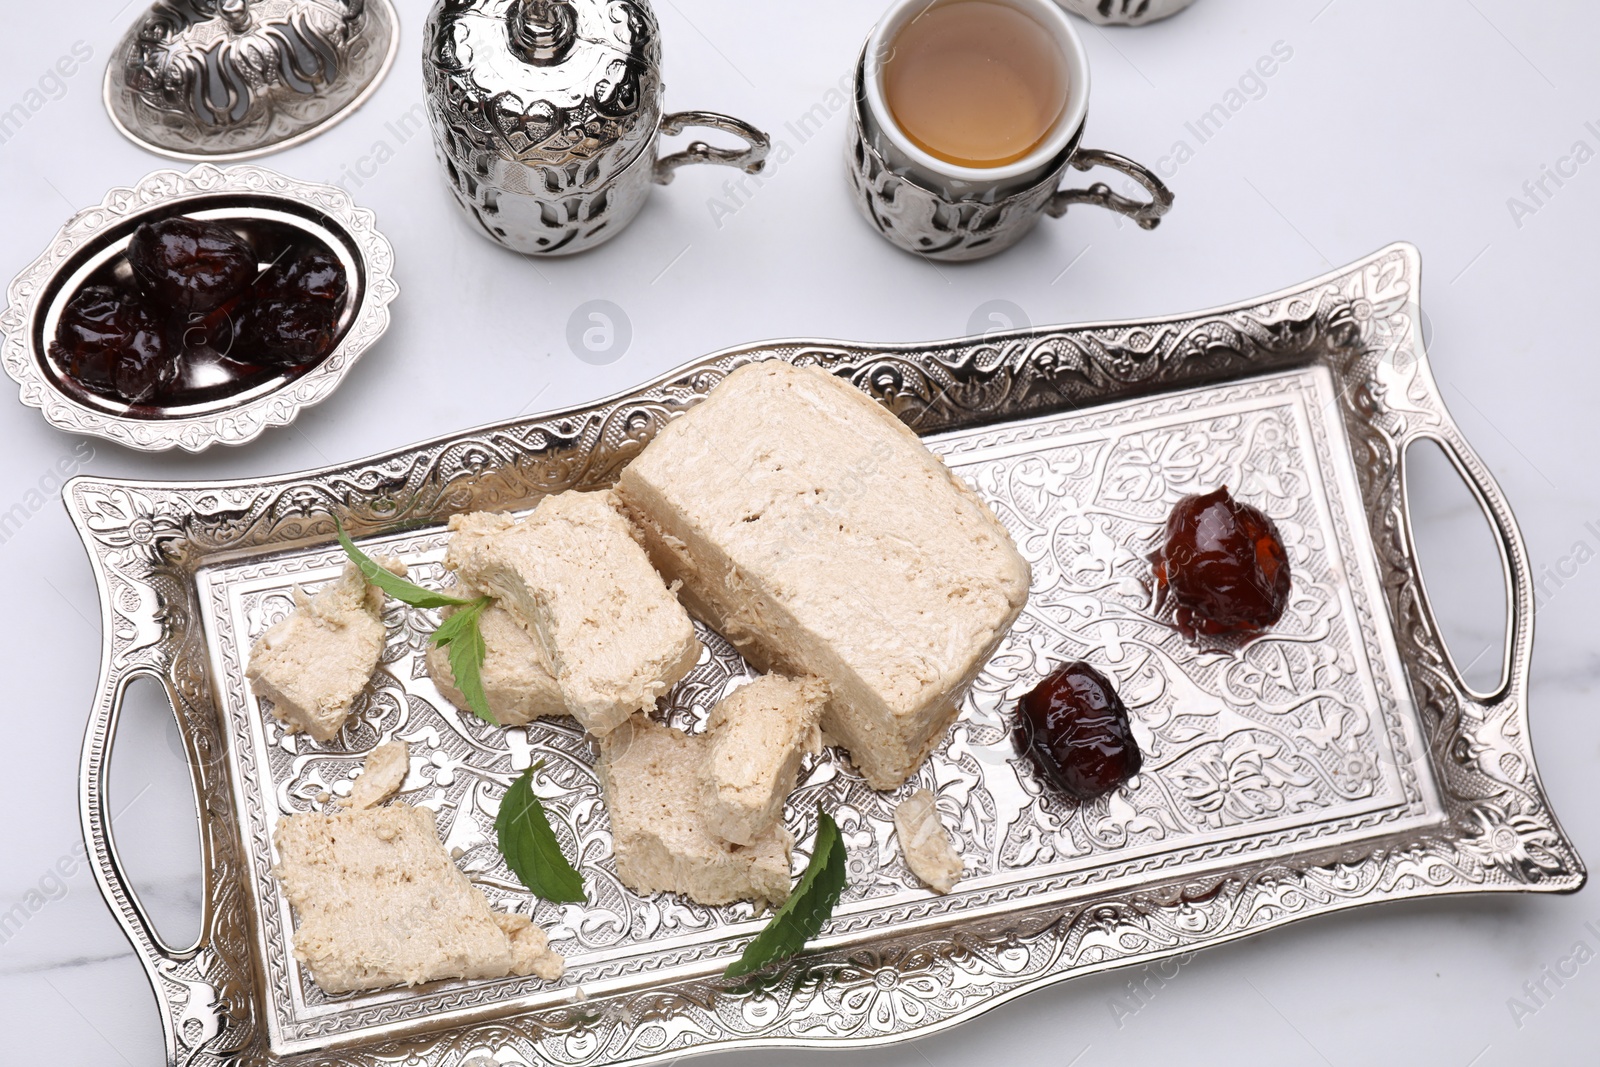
1470	127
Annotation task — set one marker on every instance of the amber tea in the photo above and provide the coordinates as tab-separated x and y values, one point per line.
975	83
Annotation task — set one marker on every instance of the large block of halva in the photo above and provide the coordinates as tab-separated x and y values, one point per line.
816	532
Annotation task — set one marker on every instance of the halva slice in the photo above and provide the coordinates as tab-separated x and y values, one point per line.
574	576
757	735
813	529
651	775
314	662
379	903
382	775
517	680
925	843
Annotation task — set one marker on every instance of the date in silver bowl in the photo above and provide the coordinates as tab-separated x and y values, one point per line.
91	245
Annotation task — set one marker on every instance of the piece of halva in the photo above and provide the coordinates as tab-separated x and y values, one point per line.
517	681
654	792
810	527
313	663
575	577
925	843
382	775
378	902
757	736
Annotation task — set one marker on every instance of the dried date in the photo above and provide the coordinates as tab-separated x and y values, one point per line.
1223	565
314	275
186	265
285	333
1076	728
112	343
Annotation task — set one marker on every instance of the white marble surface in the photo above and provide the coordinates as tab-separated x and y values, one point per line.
1416	120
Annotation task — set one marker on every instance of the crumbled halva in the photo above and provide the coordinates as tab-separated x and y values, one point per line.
314	662
810	527
925	843
574	576
516	672
379	903
654	792
382	775
757	735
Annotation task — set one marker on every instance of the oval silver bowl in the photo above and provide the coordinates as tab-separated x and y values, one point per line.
97	236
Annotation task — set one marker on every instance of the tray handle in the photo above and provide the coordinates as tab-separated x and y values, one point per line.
192	998
1515	567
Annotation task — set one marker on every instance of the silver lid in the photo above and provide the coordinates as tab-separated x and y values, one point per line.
230	79
546	83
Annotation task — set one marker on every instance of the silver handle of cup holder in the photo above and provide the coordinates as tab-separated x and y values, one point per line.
749	159
1146	213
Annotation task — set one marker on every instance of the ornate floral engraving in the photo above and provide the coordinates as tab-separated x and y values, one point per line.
229	79
919	220
1337	762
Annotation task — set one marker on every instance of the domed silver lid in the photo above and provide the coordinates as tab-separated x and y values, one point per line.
230	79
546	83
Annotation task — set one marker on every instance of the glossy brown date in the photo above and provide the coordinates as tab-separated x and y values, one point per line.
1223	566
113	344
186	265
1075	727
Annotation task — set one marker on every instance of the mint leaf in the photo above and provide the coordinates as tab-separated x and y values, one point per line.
530	846
397	587
808	908
462	637
459	634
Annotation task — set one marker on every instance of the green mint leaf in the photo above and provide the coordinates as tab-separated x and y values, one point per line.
808	908
462	637
530	846
397	587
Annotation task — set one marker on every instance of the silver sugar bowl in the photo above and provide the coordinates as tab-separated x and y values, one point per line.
546	115
232	79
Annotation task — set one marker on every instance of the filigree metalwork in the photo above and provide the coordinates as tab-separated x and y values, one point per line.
224	80
1124	12
546	115
1335	762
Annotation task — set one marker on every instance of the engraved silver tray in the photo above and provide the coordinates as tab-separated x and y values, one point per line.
1337	761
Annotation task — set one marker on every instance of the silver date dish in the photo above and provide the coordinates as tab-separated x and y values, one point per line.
215	405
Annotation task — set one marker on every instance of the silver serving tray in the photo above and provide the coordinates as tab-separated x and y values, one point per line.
1337	761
